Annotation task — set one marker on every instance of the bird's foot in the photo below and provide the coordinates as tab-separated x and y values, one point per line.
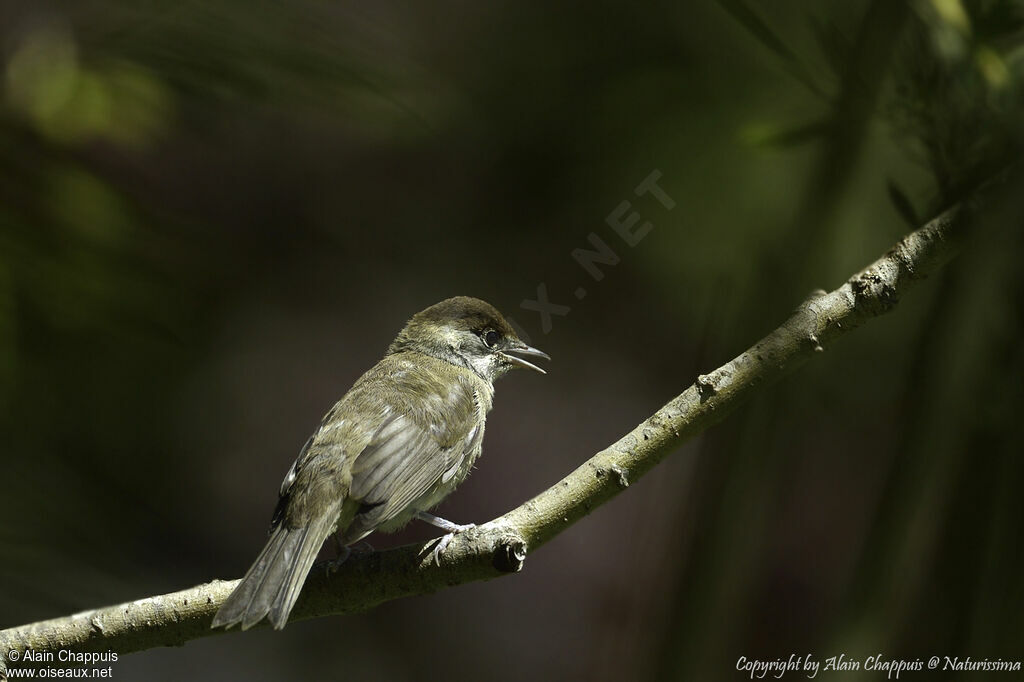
346	551
444	524
343	554
445	540
362	547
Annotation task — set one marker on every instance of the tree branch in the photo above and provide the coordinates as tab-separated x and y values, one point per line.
501	545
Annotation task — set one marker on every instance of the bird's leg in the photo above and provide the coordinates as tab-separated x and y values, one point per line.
342	554
443	524
452	528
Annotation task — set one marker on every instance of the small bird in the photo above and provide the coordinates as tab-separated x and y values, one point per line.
400	441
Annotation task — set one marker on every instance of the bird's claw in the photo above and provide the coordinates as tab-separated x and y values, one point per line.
445	540
343	554
362	547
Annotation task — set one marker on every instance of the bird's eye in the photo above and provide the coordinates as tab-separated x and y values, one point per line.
491	338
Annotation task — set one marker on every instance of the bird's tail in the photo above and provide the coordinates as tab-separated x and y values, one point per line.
275	579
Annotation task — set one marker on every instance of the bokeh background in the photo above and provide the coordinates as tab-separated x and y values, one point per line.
215	215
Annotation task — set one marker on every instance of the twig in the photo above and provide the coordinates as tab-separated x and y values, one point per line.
501	546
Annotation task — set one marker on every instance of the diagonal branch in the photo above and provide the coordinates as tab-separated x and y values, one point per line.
501	545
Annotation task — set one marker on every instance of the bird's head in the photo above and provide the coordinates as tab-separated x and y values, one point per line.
470	333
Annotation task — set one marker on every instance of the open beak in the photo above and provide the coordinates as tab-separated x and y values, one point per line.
530	352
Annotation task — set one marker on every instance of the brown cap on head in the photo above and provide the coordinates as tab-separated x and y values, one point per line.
468	332
466	312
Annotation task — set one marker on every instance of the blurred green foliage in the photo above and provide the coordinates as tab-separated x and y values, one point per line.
213	216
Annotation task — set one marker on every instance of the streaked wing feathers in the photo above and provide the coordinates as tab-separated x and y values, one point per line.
415	450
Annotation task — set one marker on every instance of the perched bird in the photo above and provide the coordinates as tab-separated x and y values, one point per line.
402	438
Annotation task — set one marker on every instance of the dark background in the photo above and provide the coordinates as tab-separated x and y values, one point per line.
215	215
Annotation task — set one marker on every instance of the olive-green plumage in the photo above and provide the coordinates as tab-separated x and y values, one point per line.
402	438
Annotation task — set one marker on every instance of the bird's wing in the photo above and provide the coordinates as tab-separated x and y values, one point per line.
401	463
320	479
415	450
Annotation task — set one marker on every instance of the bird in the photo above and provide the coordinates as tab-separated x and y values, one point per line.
398	442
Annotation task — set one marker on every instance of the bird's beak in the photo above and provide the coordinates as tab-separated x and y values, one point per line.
522	349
